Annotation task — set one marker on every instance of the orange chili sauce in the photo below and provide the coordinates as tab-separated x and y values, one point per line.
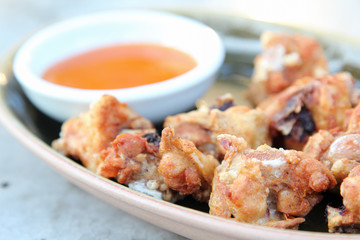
120	66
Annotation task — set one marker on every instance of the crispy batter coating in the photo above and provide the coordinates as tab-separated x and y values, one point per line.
184	168
350	191
285	58
309	105
342	221
83	137
298	102
266	186
337	149
125	157
347	219
133	159
203	125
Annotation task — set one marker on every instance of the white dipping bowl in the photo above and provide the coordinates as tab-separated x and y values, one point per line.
81	34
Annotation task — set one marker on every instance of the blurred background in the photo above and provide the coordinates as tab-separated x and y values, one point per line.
35	202
20	17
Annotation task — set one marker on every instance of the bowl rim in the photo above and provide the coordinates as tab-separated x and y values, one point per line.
198	74
233	230
115	194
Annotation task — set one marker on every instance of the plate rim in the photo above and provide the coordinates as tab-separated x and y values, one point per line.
213	226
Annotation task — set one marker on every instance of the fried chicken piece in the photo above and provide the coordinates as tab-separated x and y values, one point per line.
133	159
350	191
266	186
307	106
285	58
337	149
83	137
203	125
347	219
185	169
342	221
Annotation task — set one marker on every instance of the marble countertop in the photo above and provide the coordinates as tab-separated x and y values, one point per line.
36	202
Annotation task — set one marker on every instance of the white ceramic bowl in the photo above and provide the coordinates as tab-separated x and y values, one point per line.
80	34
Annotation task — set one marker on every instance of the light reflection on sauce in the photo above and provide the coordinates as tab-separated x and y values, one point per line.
120	66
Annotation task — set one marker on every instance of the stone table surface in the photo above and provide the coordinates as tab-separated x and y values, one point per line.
36	203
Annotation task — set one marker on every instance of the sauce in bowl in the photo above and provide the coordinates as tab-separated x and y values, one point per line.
120	66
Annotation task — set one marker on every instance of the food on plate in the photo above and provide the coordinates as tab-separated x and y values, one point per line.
309	105
203	125
285	58
347	218
115	142
133	159
267	186
184	168
231	156
83	137
338	150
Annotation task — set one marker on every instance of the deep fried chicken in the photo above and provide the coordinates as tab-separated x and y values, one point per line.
307	106
184	168
203	125
285	58
266	186
83	137
347	219
133	159
336	149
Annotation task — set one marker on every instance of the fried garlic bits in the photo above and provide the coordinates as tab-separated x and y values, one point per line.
266	186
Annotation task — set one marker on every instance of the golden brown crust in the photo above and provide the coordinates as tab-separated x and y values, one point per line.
133	159
266	185
307	106
336	149
85	136
203	125
347	219
350	191
184	167
285	58
342	221
123	160
339	152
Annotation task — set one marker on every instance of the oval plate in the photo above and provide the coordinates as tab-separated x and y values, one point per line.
187	218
